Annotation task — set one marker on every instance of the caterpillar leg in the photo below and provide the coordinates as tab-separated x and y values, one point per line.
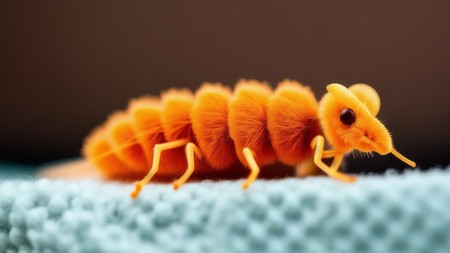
155	164
254	168
191	149
336	162
332	171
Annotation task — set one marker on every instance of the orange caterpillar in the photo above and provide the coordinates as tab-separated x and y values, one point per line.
255	126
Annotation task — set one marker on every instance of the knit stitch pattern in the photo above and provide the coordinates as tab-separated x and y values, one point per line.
406	212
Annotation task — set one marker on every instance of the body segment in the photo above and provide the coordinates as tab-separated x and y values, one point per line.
247	121
292	122
209	118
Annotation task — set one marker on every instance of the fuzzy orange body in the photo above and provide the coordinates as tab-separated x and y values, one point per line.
277	125
292	122
206	133
247	121
210	123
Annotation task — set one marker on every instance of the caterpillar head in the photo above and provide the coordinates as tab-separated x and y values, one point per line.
348	119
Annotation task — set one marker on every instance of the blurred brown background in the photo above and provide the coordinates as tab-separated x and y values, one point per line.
65	65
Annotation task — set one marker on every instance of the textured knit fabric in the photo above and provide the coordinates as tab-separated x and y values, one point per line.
407	212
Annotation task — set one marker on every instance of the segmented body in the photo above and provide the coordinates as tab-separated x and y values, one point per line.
276	124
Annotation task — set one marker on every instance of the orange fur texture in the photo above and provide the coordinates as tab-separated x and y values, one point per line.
99	151
209	121
292	121
247	121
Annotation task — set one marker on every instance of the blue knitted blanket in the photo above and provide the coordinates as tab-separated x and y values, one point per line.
407	212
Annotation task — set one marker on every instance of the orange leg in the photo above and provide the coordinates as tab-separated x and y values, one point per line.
155	164
254	168
332	171
191	149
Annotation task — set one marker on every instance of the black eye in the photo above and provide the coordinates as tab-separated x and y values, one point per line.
348	116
